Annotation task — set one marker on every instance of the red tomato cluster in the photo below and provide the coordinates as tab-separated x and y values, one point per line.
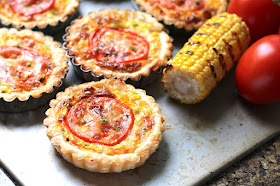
257	75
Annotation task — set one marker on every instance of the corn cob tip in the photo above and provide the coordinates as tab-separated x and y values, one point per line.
181	85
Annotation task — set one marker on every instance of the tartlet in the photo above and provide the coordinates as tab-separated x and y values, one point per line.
188	14
104	126
118	44
39	14
31	64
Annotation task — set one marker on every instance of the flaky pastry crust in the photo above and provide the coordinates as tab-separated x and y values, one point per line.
141	23
188	19
59	12
131	152
44	45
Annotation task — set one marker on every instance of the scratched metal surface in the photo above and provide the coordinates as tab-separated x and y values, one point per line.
200	140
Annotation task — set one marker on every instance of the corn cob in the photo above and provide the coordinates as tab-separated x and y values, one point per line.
204	60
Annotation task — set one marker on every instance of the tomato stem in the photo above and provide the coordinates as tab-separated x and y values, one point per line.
276	2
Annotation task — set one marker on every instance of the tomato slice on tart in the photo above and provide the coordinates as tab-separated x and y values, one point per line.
30	7
115	45
181	4
22	68
100	120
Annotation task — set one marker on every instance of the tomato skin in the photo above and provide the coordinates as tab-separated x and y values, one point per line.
257	74
261	16
98	49
34	6
15	75
93	111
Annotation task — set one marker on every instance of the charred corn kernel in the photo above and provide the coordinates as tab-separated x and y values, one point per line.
211	52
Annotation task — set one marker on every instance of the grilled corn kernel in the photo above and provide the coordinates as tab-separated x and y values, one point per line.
211	52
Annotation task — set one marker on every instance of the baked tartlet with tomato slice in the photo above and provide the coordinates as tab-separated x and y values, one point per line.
32	67
118	44
104	126
190	14
36	13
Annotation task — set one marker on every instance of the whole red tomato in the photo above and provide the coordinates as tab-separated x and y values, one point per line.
257	74
261	16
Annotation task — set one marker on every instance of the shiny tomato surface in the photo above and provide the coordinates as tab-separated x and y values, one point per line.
261	16
257	74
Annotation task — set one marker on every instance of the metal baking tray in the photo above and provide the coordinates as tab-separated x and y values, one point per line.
200	140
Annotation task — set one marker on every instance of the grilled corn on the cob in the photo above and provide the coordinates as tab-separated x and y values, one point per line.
204	60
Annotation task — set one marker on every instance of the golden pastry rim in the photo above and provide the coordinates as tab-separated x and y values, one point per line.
156	64
57	74
60	19
173	21
94	161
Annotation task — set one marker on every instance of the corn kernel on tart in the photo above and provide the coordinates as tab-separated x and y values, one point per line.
30	64
104	126
186	14
118	43
40	13
204	60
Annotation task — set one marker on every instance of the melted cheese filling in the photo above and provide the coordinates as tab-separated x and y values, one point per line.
19	75
186	10
142	127
79	46
57	9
